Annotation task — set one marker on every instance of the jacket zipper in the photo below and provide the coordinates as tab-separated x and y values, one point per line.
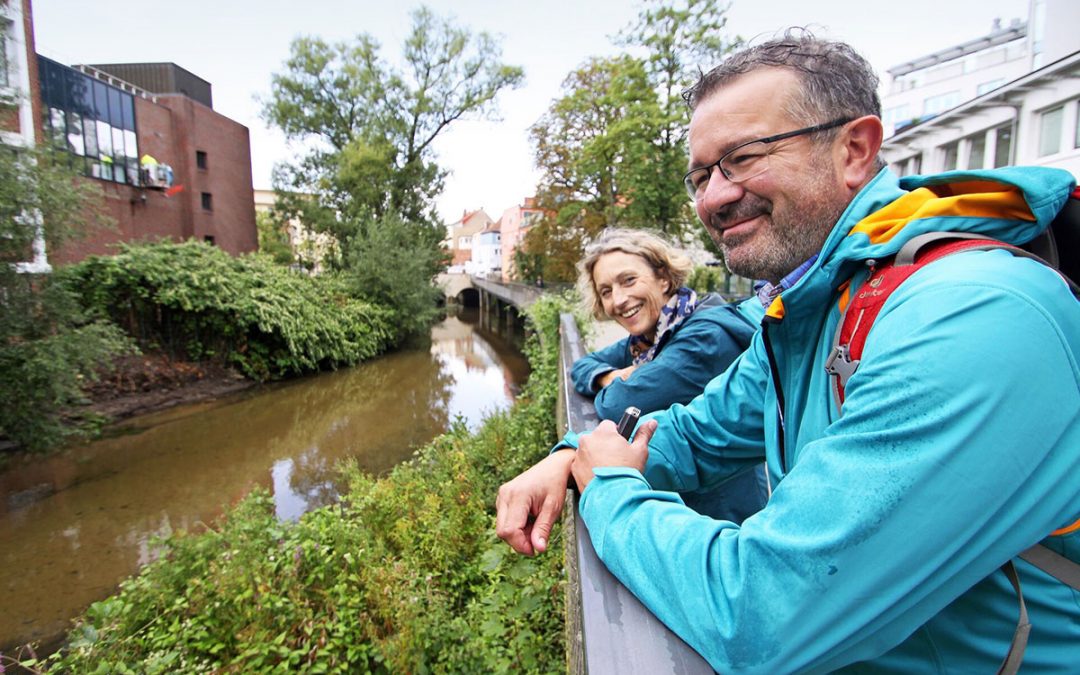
774	371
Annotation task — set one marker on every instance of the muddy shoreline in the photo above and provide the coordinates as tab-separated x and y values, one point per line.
148	383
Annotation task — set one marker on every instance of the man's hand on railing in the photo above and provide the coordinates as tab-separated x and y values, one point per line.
605	447
528	506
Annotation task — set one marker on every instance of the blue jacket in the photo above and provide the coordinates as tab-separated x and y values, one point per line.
698	350
958	447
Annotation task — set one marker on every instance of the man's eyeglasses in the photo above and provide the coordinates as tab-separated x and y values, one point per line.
747	160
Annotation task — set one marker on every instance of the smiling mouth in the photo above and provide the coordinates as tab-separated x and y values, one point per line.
629	313
731	223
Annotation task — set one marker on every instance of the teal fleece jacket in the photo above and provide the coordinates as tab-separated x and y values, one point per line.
699	349
958	447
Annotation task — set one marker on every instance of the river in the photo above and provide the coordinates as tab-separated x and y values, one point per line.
74	525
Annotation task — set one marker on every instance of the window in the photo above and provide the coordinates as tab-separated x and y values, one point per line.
950	154
989	86
1050	128
1076	137
1003	146
5	81
911	165
936	104
207	201
89	119
200	159
976	155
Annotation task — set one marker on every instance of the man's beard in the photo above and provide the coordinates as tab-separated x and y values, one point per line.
786	241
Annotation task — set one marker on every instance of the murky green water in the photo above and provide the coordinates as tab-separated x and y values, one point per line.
74	525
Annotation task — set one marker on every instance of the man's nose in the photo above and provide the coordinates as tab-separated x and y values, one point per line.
719	192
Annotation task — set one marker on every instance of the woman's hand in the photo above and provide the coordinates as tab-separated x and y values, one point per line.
609	377
605	447
528	506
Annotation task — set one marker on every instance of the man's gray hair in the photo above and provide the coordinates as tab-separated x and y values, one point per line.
836	81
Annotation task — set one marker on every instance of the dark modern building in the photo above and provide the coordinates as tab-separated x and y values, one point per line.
169	166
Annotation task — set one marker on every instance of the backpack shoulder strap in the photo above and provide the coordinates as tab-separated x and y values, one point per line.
859	314
856	320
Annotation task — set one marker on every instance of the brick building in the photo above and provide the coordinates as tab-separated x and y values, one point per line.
115	131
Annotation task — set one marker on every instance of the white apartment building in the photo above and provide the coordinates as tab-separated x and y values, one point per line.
486	252
1011	97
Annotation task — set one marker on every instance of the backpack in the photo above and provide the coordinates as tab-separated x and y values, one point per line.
1058	247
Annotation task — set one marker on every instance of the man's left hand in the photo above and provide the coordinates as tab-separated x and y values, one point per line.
605	447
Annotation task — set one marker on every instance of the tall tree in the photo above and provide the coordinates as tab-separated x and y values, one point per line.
681	39
613	147
369	131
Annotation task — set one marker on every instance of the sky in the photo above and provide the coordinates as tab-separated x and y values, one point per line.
237	45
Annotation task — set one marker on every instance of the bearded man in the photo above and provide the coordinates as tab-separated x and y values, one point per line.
957	444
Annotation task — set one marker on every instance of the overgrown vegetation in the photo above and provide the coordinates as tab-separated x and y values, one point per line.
49	346
195	301
404	574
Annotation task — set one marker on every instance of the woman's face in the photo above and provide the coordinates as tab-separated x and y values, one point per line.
630	292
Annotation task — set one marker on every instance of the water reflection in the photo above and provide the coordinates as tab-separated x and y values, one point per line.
72	526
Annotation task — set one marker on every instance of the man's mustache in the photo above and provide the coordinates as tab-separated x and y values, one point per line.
746	208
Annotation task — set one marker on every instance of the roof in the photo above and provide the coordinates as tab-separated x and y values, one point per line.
1015	31
1068	66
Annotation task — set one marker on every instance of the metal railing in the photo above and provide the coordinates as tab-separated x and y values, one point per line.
519	295
608	629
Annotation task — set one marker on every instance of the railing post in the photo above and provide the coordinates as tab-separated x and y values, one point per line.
608	630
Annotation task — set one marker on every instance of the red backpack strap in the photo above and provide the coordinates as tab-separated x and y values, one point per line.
860	313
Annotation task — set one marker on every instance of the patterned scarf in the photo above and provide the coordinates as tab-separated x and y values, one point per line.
680	306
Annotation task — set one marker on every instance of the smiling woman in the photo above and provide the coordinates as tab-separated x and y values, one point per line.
678	341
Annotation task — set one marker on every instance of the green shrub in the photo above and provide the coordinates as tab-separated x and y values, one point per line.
196	301
49	349
403	574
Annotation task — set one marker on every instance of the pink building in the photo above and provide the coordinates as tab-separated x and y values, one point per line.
514	224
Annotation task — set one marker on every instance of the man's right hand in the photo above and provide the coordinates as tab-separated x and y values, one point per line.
528	506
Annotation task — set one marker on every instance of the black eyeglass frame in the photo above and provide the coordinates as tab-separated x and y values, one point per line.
691	189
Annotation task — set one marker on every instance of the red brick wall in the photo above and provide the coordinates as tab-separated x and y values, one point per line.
9	118
170	131
227	177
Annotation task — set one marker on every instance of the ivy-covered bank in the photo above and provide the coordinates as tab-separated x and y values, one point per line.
195	301
404	574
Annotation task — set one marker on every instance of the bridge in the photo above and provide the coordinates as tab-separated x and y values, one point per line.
460	288
495	299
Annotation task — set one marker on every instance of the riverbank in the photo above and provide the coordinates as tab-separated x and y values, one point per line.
152	382
402	573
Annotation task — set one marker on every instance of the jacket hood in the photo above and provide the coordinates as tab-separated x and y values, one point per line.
1013	204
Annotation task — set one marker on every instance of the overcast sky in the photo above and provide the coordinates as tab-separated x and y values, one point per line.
237	44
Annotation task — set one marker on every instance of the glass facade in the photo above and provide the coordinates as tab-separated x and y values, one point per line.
93	121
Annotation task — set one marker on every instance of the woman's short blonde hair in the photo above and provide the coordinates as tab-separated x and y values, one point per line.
667	261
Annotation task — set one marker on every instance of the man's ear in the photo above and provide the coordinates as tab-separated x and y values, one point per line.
859	148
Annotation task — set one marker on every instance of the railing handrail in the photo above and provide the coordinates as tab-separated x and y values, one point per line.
608	629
